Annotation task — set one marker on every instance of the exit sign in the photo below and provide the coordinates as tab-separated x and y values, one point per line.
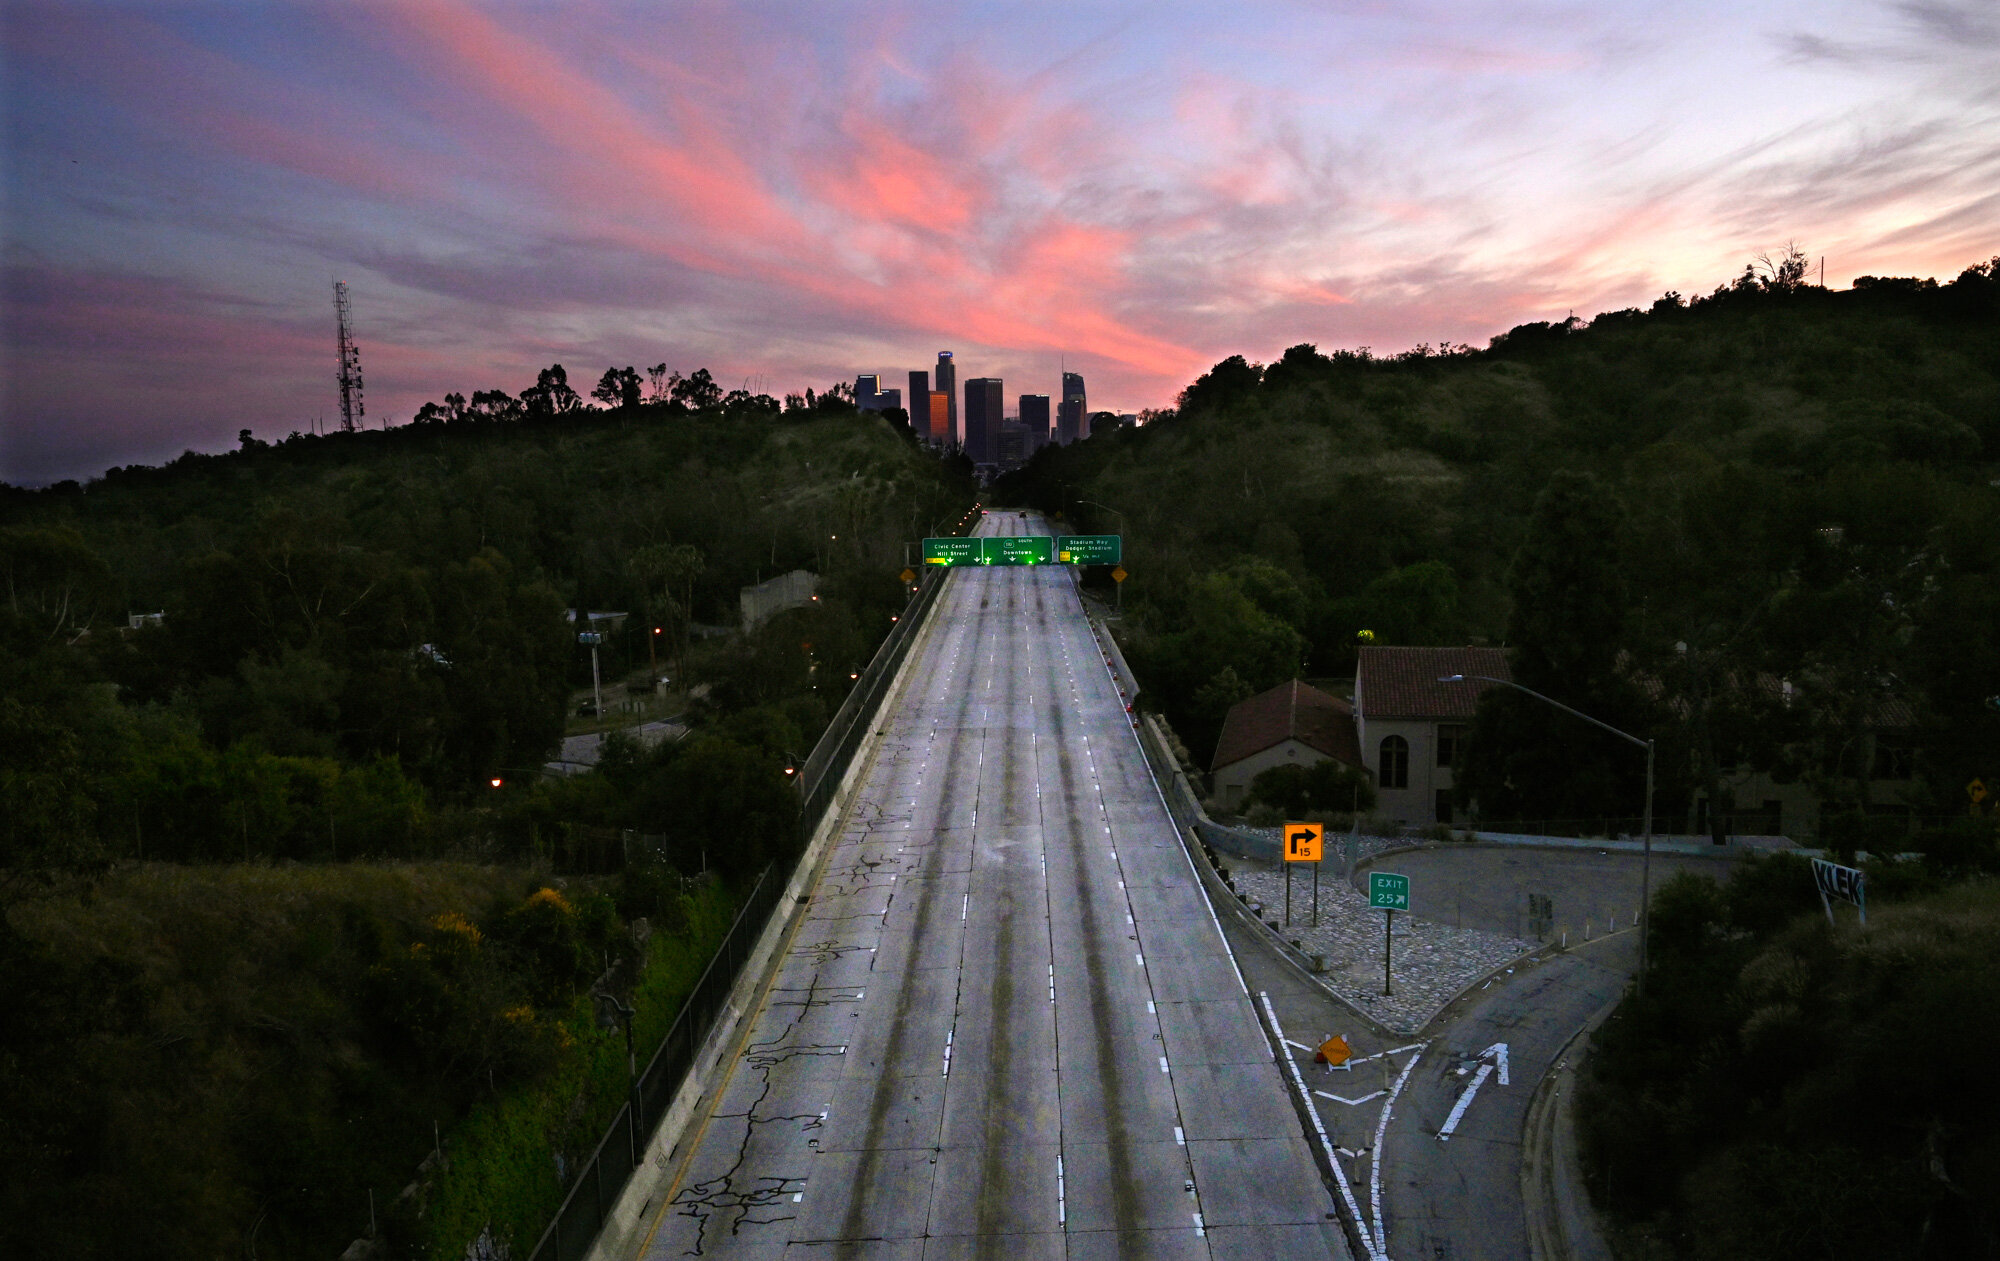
951	551
1090	549
1012	549
1388	891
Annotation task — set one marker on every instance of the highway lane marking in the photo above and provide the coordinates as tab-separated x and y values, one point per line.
1319	1126
1352	1103
1375	1157
1464	1102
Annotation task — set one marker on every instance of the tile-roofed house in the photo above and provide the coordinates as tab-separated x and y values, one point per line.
1410	726
1292	722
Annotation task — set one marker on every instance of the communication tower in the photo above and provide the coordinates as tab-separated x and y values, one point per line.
352	411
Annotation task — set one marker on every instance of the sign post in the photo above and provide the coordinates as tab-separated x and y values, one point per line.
1846	883
1302	845
1388	893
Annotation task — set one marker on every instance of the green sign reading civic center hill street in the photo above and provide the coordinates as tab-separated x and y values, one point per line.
1017	549
951	551
1090	549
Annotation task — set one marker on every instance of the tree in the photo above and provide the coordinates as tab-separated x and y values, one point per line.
697	391
1526	759
488	405
1324	787
656	377
551	394
54	580
668	572
618	387
46	810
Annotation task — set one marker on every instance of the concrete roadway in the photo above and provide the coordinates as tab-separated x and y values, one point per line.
1008	1025
1418	1195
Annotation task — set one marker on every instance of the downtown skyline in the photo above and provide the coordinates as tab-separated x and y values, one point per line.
775	194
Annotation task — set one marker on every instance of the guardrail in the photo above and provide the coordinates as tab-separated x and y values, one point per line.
601	1178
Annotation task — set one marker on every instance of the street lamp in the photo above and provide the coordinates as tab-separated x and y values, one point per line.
593	639
1646	862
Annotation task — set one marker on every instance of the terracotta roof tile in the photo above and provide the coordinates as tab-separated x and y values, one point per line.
1403	682
1289	711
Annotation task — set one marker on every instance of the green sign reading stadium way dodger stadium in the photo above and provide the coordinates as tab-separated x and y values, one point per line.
1017	549
1090	549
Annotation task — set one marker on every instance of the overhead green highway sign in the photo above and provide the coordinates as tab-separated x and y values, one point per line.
950	551
1018	549
1090	549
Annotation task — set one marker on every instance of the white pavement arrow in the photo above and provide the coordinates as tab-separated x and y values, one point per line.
1498	1054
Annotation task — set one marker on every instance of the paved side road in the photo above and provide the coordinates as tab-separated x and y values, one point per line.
1007	1025
1429	1130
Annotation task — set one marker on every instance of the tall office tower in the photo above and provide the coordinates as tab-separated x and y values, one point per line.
920	403
1070	418
983	413
946	377
886	399
1011	449
867	389
939	433
1034	423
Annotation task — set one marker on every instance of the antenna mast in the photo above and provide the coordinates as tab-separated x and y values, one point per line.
352	410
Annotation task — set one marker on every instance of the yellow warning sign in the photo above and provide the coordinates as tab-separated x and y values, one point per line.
909	575
1119	574
1976	790
1302	842
1333	1052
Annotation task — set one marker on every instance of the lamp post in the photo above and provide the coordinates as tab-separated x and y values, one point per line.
1646	861
1119	593
593	638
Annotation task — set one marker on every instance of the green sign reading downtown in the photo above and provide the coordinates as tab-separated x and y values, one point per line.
1090	549
1018	549
1388	891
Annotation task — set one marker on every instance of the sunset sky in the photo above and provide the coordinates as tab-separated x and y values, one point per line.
789	194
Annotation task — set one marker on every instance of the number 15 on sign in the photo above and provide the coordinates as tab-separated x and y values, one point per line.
1302	845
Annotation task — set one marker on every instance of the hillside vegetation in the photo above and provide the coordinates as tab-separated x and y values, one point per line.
286	903
362	631
1662	513
1792	1091
204	1061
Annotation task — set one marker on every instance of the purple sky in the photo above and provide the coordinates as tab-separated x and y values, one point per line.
791	194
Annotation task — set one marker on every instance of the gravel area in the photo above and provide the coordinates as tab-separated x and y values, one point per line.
1432	962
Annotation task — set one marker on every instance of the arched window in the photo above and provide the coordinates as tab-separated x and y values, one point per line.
1395	763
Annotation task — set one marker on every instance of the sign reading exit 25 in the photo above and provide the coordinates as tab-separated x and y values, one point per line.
1388	891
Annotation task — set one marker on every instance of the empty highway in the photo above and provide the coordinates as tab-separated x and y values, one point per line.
1007	1025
